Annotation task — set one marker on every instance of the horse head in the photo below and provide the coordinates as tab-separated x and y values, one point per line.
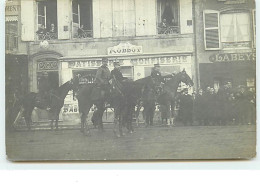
185	78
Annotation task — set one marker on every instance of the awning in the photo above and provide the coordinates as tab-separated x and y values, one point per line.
11	18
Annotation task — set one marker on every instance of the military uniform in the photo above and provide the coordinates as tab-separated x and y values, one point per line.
116	73
102	76
102	83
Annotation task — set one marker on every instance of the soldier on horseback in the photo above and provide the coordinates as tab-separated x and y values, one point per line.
102	78
116	72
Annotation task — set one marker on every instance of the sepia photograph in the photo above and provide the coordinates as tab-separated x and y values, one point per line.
130	80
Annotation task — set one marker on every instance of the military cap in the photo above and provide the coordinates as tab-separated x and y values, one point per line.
116	63
156	65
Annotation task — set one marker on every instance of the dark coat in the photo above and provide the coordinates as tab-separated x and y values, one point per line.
116	73
102	75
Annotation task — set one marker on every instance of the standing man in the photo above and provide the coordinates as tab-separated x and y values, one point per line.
102	78
44	89
186	105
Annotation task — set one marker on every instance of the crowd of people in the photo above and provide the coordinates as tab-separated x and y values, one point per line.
226	105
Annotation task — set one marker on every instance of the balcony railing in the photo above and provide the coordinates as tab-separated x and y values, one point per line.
84	33
168	30
47	36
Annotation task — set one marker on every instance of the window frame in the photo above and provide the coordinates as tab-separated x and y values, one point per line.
212	28
124	11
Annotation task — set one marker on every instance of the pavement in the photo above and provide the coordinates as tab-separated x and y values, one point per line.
155	142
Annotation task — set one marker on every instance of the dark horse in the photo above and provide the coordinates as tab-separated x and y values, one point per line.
55	103
123	103
167	97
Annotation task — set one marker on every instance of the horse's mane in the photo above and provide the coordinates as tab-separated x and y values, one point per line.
143	80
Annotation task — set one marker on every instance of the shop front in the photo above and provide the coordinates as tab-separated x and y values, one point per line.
132	66
237	68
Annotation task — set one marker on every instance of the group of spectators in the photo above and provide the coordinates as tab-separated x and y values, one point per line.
226	105
48	34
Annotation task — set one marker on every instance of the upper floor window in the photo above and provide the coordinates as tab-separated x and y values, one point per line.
82	19
168	16
123	18
227	30
235	30
47	19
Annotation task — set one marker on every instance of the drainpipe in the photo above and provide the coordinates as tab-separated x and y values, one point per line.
197	75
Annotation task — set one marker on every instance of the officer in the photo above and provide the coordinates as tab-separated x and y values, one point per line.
102	77
116	73
156	73
44	89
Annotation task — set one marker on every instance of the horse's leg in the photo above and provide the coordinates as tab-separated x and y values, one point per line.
100	111
116	120
56	120
28	119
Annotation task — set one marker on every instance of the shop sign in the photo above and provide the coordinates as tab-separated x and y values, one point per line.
133	62
48	65
161	60
233	57
124	49
87	64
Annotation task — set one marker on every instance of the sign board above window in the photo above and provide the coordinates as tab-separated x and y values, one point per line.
233	57
124	49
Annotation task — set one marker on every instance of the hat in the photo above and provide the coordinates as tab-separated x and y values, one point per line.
116	63
104	59
156	65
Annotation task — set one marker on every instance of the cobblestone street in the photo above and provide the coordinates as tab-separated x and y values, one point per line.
179	142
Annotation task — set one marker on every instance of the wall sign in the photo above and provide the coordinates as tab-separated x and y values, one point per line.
161	60
150	61
233	57
12	8
124	49
47	65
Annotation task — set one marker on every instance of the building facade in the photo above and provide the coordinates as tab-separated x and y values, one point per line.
16	65
225	42
69	37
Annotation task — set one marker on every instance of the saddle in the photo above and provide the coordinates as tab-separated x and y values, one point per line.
100	92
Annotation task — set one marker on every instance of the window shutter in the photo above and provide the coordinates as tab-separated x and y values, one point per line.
27	20
211	30
106	18
254	27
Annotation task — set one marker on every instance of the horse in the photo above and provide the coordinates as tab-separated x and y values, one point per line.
55	103
122	102
166	98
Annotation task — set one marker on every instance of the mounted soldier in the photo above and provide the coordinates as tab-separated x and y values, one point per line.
102	79
157	78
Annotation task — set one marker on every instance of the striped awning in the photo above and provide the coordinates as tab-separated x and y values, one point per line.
11	18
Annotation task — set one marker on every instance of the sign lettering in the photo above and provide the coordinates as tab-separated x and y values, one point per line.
124	49
233	57
48	65
167	60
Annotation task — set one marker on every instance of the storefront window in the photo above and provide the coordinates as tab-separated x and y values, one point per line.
168	16
82	18
47	20
86	76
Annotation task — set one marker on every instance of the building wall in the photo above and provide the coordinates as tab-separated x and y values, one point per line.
232	61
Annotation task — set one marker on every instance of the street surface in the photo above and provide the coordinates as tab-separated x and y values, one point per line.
179	142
